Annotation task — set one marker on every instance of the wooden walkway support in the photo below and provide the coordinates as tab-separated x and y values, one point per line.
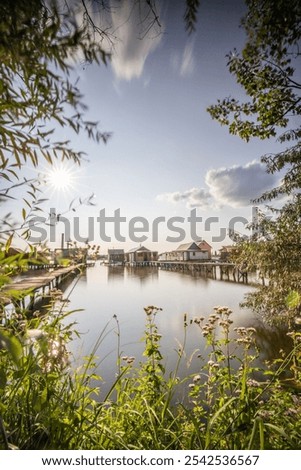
39	283
215	270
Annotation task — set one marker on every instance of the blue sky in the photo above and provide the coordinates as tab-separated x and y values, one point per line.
166	155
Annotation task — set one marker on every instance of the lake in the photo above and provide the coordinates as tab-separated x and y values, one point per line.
104	292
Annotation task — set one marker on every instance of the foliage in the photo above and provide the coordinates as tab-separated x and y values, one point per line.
39	44
47	404
44	402
268	71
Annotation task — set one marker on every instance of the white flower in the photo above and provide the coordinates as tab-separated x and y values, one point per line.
35	333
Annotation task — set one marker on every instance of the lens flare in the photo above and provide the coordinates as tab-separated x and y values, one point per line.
60	178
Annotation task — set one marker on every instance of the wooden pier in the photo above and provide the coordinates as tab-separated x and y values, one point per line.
38	283
214	270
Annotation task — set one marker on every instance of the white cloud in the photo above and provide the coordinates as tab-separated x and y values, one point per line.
129	32
184	64
235	186
187	64
134	41
238	185
194	197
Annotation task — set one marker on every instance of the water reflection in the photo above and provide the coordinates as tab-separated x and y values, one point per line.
272	340
115	272
142	274
125	291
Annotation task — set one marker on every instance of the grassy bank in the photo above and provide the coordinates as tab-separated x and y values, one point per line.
46	404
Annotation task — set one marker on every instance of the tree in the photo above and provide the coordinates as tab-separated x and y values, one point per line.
268	69
38	45
39	42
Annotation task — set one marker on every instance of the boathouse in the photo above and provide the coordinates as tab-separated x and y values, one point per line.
116	256
226	252
185	252
205	247
141	255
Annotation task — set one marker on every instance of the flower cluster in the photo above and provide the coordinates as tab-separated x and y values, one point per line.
128	359
151	309
245	335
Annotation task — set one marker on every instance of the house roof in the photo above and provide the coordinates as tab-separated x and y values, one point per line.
138	248
115	252
204	243
227	248
192	246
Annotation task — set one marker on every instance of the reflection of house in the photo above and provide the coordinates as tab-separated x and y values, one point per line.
116	256
187	252
226	252
141	255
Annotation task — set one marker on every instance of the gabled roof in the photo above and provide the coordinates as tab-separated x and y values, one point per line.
204	243
188	247
139	248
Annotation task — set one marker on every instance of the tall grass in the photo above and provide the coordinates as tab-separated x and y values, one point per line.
47	404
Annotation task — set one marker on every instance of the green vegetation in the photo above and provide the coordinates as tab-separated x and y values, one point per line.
268	70
229	404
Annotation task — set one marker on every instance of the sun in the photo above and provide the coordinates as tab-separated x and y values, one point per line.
60	178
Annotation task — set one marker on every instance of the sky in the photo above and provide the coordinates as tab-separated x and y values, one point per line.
166	157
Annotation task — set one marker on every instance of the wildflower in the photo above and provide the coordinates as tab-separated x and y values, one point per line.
196	378
228	312
291	412
264	414
152	309
253	383
251	330
35	333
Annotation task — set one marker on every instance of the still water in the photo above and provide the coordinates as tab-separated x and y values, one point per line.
104	292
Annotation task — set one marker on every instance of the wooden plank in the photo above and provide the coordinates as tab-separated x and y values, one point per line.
39	280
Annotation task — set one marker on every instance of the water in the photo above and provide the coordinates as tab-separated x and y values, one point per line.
104	292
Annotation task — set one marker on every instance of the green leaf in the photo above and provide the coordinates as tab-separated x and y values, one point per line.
8	242
293	299
3	379
12	345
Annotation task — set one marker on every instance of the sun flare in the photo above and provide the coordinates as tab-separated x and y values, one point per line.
60	178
